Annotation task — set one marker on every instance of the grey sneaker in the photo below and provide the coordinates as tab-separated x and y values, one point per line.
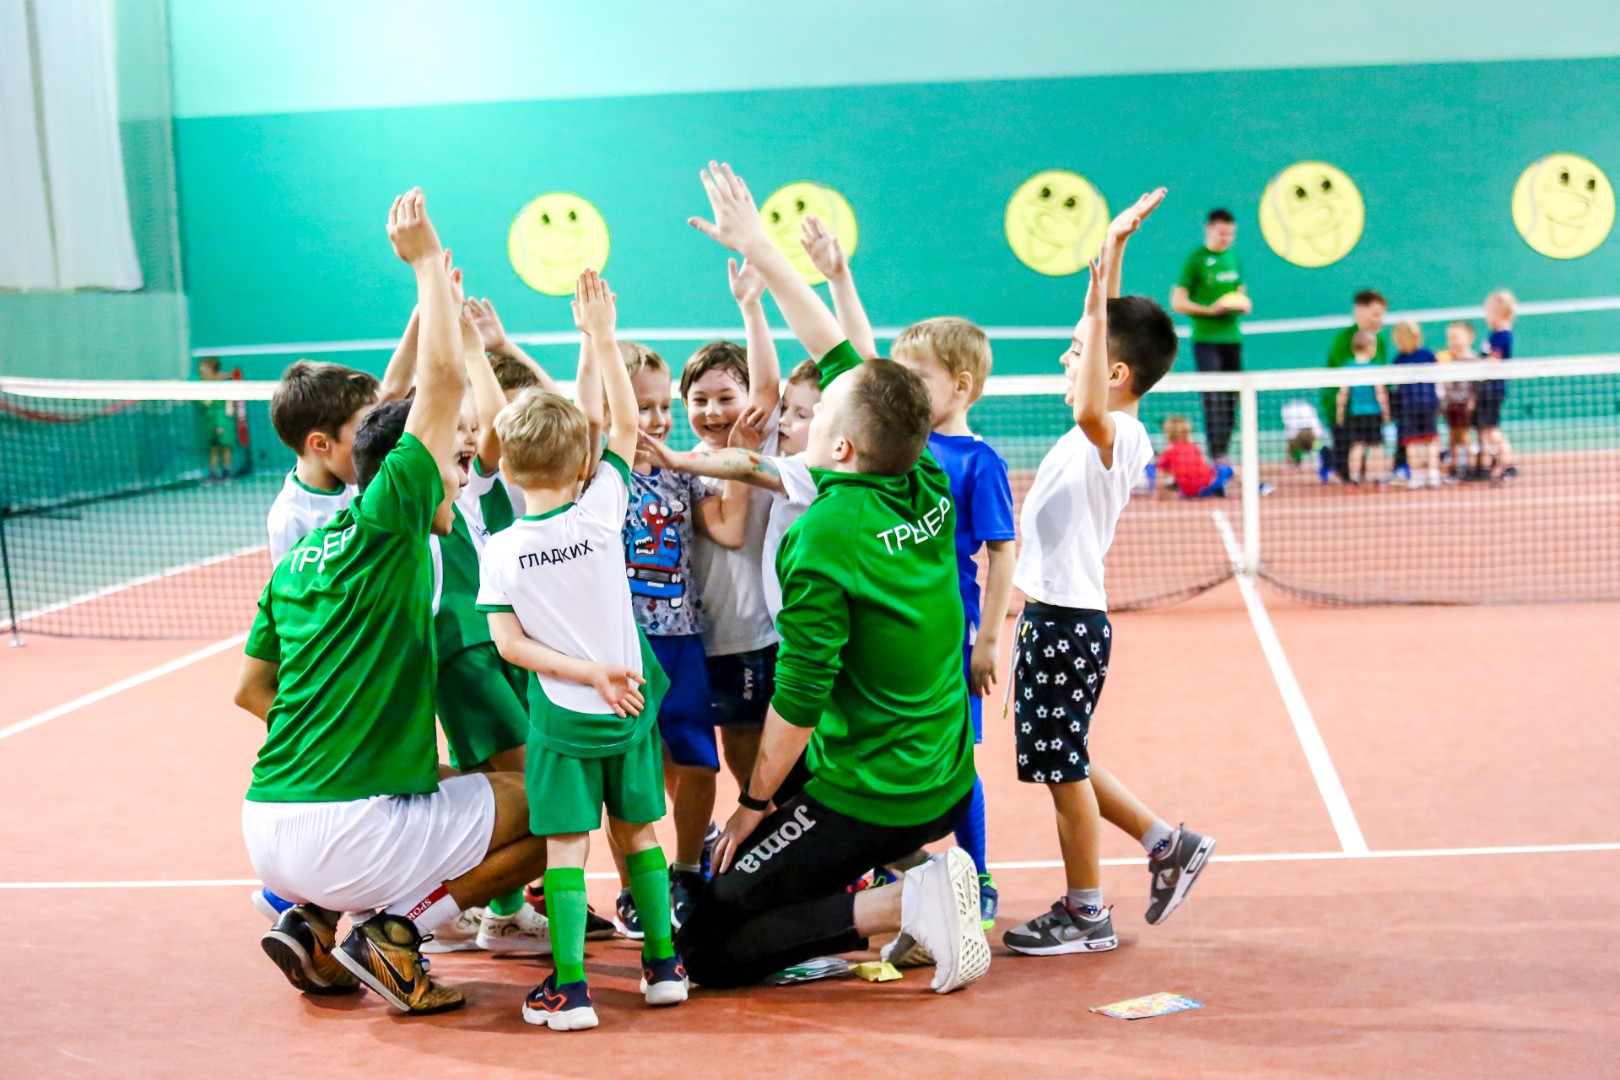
1176	871
1062	931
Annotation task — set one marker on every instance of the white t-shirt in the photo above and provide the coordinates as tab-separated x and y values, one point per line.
299	510
562	575
513	492
731	581
798	492
1070	512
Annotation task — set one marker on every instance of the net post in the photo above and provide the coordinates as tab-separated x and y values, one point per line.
1249	449
5	565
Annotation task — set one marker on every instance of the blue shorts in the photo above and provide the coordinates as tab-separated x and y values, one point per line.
740	687
684	719
975	702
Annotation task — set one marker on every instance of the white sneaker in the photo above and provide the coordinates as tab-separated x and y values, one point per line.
939	909
904	951
458	935
526	932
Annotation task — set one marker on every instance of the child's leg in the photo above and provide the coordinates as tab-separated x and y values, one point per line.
1358	461
741	747
693	809
649	884
1125	811
565	903
1373	463
1077	818
970	830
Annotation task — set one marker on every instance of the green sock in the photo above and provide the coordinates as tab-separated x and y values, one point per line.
565	907
649	886
510	904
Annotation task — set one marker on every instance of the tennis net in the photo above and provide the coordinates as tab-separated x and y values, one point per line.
120	515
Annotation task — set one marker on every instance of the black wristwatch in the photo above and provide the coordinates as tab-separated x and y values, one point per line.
747	801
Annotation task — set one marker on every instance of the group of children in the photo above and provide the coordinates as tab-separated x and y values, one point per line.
603	606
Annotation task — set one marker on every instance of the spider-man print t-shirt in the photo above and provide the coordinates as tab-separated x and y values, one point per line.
658	551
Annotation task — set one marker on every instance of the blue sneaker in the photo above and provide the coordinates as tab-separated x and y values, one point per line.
664	982
989	901
711	838
268	904
628	920
561	1008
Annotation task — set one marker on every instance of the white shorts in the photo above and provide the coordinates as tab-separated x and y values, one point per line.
369	854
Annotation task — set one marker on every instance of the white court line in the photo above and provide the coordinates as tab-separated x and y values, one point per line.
1299	710
122	685
1044	864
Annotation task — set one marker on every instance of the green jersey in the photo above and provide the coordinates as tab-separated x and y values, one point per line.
1207	276
347	617
1339	354
482	508
872	630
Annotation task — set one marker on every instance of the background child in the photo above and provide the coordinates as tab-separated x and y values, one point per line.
1183	467
218	423
1416	407
1368	309
1457	400
1302	427
1495	454
1363	411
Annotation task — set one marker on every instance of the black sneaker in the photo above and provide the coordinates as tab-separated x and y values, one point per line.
664	982
628	921
1509	474
685	886
301	944
1175	873
385	953
1061	931
596	927
561	1008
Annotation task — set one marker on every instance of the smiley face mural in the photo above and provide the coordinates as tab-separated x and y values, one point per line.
553	239
1311	214
788	206
1056	221
1563	206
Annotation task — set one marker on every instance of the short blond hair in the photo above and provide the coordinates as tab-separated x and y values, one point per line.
1408	336
1178	429
1364	341
1503	299
544	439
958	344
638	358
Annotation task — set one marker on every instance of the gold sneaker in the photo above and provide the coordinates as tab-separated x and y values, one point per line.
301	944
385	953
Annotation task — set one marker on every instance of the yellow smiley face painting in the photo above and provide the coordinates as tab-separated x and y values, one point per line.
1563	206
553	239
1311	214
786	207
1056	222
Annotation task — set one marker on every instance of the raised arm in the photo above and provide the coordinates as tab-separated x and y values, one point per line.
1121	229
733	463
488	398
401	370
764	372
1088	375
827	254
736	225
497	341
595	313
440	376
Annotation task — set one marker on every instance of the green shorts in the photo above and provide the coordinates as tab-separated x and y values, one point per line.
483	704
568	794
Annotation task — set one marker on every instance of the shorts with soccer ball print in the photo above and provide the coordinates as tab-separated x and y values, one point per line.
1060	660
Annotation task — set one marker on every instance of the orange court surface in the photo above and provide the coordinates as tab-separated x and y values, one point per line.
1419	857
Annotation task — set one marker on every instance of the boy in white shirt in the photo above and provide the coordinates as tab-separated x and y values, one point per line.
1121	348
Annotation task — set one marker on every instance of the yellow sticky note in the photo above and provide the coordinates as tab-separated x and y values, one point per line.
877	971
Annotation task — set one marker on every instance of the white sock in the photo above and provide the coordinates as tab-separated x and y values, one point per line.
1158	833
1085	901
691	868
428	912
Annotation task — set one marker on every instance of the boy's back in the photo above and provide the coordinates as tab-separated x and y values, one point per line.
299	510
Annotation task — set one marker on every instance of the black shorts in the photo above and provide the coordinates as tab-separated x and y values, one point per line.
741	686
1060	661
1487	412
1416	425
1364	429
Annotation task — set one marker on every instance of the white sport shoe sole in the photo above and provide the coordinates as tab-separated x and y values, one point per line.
460	935
948	921
499	935
665	993
263	906
568	1020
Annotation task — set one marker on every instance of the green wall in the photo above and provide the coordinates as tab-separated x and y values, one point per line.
282	215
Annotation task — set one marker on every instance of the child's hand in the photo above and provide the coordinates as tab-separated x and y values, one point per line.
982	667
1097	290
746	284
410	230
1130	219
825	252
458	292
470	341
490	330
748	433
595	310
617	685
654	453
736	222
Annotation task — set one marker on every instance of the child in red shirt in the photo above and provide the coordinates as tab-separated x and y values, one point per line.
1182	464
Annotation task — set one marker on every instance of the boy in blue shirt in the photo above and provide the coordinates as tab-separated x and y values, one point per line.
1417	410
1495	455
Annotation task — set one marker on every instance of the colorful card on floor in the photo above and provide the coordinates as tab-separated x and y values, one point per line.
1152	1005
877	971
826	967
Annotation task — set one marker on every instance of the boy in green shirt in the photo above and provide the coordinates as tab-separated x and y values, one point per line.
346	812
869	686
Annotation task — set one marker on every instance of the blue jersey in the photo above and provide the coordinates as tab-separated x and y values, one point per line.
1499	344
984	506
1412	399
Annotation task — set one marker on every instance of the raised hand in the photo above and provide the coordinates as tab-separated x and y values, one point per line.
618	687
736	223
1130	219
746	284
824	249
490	330
595	309
654	453
410	230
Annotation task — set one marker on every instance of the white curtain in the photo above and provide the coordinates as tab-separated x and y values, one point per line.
78	80
27	258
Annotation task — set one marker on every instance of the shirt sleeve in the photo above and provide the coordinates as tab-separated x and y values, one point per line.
492	589
262	642
607	500
992	501
839	359
406	491
798	486
814	626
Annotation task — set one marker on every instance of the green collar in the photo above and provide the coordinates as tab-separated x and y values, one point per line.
341	488
548	513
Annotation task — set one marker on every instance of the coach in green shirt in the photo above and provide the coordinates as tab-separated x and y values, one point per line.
1211	291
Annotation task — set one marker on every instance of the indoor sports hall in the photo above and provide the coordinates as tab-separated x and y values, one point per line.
1367	643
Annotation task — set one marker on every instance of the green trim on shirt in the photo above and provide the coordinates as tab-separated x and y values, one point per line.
619	466
341	488
549	513
494	607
